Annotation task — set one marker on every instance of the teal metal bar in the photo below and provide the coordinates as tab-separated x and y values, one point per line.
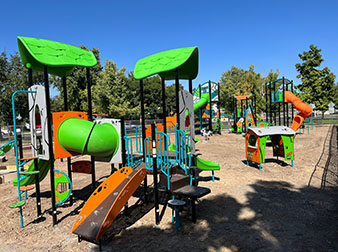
16	148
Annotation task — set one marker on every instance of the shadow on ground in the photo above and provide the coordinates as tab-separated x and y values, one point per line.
275	217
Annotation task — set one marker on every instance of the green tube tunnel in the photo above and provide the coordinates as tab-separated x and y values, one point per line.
86	137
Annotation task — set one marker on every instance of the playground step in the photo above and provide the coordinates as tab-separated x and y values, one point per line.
137	156
18	204
178	180
193	193
27	158
29	173
172	154
176	170
207	178
26	188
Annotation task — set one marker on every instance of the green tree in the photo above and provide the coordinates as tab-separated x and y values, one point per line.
111	91
237	81
13	77
317	85
335	95
271	76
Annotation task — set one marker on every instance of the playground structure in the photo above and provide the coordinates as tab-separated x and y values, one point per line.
73	134
277	110
76	133
281	137
174	168
208	90
245	114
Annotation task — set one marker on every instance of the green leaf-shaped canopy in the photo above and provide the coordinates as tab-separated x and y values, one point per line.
165	64
60	58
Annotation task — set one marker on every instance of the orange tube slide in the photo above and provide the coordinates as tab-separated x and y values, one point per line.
305	110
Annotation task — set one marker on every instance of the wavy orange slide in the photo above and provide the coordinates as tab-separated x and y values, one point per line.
305	110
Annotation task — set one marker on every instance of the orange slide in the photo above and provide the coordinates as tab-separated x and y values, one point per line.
305	110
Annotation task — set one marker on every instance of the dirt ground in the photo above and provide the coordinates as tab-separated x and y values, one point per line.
278	208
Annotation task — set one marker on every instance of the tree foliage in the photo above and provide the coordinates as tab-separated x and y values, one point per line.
317	85
237	81
111	92
13	77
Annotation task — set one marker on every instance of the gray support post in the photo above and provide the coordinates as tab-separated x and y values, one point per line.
219	108
69	164
210	107
270	103
90	118
287	107
266	103
292	104
123	147
190	86
157	211
200	110
284	102
274	105
145	183
50	144
163	107
177	89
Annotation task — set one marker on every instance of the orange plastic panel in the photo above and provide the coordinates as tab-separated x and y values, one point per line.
101	193
242	97
252	153
122	199
171	121
58	118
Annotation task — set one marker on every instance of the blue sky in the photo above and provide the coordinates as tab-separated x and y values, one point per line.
269	34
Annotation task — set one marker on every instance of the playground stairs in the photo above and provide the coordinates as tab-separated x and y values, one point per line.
177	179
149	172
137	156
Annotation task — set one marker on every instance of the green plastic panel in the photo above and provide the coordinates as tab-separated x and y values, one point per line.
165	63
62	187
288	147
262	146
60	58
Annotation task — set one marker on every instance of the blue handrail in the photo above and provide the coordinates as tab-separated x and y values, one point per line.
138	139
16	148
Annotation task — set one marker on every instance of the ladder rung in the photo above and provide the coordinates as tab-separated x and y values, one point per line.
29	173
26	188
18	204
27	158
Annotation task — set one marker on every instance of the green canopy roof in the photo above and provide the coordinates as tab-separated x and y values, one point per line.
165	63
60	58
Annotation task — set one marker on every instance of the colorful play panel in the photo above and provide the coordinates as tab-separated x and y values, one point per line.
281	138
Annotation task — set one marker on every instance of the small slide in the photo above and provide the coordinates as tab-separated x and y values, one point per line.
172	120
6	148
206	165
43	167
106	202
201	102
305	110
